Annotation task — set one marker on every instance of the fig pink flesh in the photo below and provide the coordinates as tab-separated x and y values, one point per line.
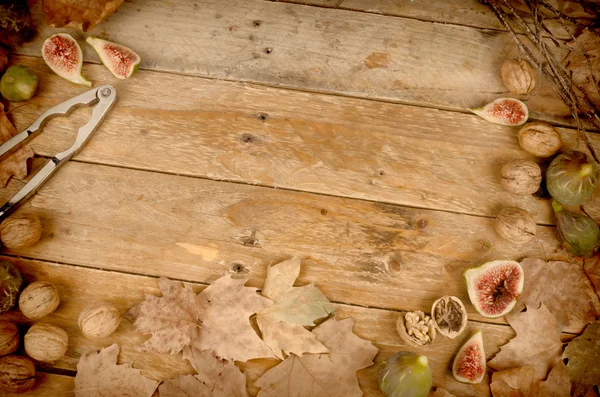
470	367
63	52
120	59
511	112
497	288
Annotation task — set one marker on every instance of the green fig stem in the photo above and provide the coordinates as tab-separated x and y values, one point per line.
586	170
556	206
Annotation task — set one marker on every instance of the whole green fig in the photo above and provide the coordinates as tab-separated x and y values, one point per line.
405	374
10	285
572	177
578	232
19	83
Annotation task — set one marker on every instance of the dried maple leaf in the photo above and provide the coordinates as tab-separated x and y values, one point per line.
217	319
591	267
16	164
98	375
171	319
583	355
439	392
522	382
563	288
216	378
537	343
322	375
582	69
80	14
282	325
225	310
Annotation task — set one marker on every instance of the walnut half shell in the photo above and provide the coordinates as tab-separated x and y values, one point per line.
449	316
416	328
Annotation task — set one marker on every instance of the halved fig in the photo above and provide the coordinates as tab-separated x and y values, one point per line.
469	363
494	287
504	111
63	55
449	316
120	60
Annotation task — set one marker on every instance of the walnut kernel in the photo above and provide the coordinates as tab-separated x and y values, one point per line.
449	316
416	328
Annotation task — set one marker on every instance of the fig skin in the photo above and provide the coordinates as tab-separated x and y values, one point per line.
63	44
504	111
572	178
19	83
405	374
579	233
122	66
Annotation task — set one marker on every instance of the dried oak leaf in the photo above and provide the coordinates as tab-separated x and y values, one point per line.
217	319
16	164
216	378
439	392
322	375
282	325
522	382
576	64
563	288
537	343
79	14
171	319
583	355
98	375
591	267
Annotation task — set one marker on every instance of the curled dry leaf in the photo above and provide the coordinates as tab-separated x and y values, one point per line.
522	382
563	288
583	355
80	14
98	375
537	343
217	319
216	378
322	375
282	325
16	164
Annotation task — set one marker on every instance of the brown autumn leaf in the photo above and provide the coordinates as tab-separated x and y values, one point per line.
216	378
217	319
537	343
439	392
79	14
582	69
322	375
98	375
563	288
583	355
282	325
16	164
522	382
591	267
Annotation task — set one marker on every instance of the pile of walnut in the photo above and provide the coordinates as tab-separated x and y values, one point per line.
448	317
42	342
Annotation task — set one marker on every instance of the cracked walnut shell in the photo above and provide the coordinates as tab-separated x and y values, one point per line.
38	299
449	316
416	328
46	342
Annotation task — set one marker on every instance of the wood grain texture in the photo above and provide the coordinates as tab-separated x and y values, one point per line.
296	140
362	253
319	49
79	287
49	385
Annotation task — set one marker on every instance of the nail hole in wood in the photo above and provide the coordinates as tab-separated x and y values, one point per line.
247	138
268	50
323	211
238	268
263	116
257	23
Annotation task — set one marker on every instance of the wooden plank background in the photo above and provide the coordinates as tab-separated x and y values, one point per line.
347	137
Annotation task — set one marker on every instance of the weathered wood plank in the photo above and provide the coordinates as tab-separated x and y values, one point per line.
49	385
303	141
79	287
362	253
319	49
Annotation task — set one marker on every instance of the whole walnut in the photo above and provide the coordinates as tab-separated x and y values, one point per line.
521	177
17	374
46	342
9	338
519	76
539	139
99	320
38	299
515	225
20	231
